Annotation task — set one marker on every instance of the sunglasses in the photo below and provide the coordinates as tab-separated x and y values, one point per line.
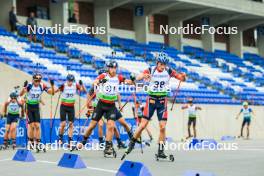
37	80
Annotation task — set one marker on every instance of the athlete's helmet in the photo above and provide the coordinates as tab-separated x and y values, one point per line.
245	103
70	77
37	76
112	64
163	58
13	95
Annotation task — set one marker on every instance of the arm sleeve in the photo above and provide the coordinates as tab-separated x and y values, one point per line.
61	88
147	71
121	78
100	77
78	87
45	87
173	73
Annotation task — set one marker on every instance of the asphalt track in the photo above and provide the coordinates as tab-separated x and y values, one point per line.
246	161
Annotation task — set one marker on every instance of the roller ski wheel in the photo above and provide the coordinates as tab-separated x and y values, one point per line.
14	147
171	157
164	157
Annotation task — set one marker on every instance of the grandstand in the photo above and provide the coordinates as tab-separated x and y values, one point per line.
223	70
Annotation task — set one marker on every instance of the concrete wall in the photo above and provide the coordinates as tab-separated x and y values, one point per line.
192	42
156	38
5	7
220	46
122	33
131	35
41	22
249	49
213	121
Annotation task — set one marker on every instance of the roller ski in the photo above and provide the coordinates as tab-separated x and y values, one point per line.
4	147
131	146
40	148
109	150
185	139
79	145
70	144
164	157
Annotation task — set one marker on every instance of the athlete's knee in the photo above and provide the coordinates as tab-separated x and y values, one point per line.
111	125
13	129
70	124
162	128
100	124
63	124
37	126
143	125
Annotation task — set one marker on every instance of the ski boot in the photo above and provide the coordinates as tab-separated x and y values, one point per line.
14	144
60	141
40	146
109	149
70	143
79	145
5	145
162	155
120	144
131	146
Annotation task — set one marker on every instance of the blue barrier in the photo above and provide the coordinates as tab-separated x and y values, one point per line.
203	144
24	155
130	168
228	138
70	160
45	134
